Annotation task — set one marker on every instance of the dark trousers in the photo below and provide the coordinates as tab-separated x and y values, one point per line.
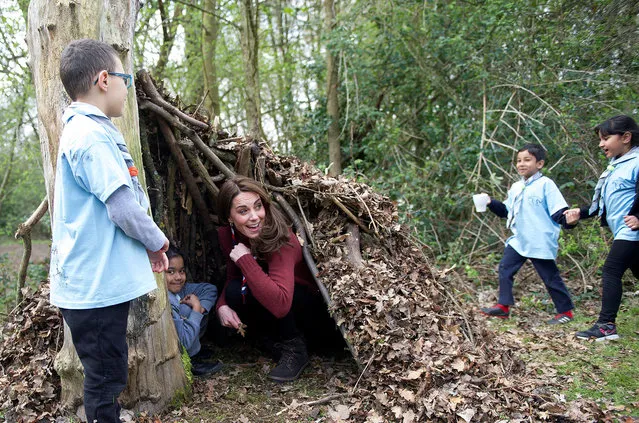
257	318
623	255
308	316
547	270
99	336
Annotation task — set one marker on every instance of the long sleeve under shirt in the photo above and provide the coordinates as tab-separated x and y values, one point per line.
128	215
500	210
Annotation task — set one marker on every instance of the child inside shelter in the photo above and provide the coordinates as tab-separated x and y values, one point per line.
190	307
534	211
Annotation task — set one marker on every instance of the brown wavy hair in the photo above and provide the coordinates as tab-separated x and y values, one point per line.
274	233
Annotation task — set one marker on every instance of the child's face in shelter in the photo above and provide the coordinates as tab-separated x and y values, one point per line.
615	145
527	164
247	214
116	92
175	275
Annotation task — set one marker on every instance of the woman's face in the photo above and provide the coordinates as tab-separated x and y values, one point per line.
247	214
175	275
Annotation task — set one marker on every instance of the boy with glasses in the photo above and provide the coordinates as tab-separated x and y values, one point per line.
105	246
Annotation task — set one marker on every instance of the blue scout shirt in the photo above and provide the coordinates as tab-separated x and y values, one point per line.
190	324
93	262
535	234
618	194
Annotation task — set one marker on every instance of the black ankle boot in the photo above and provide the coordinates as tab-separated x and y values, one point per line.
293	360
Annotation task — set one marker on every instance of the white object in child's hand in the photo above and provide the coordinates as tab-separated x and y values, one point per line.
481	201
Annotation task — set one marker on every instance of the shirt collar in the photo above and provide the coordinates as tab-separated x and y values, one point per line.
79	108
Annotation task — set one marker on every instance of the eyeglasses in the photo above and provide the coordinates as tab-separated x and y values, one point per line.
128	78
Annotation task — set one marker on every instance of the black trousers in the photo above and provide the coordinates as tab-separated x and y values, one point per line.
547	270
99	336
623	255
308	317
257	318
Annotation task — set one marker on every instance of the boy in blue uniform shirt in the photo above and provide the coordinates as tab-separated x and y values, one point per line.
105	246
534	210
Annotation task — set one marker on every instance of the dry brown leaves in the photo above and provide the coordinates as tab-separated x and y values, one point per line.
29	386
423	358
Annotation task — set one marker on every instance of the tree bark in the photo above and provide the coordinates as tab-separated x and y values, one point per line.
332	102
156	373
210	31
250	47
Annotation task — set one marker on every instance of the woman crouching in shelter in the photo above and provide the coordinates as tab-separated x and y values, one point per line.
268	285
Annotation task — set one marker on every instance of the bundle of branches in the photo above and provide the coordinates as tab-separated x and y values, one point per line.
29	386
422	357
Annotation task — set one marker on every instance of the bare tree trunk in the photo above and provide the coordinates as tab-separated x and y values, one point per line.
8	167
210	31
169	29
250	47
332	103
155	367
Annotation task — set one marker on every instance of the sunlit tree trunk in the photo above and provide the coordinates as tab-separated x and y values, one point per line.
250	47
332	103
155	367
210	30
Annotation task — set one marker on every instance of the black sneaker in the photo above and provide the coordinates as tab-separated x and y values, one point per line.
203	368
293	360
599	332
559	319
495	311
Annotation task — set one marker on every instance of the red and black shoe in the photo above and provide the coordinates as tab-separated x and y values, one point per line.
498	310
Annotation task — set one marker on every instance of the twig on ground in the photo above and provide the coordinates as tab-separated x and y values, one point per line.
370	360
583	275
320	401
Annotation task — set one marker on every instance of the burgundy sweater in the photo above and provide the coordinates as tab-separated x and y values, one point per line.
274	287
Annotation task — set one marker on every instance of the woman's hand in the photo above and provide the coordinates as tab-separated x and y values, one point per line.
631	221
572	216
238	251
194	302
228	317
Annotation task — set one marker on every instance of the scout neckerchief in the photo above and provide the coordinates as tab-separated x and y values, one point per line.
596	199
128	160
519	198
244	287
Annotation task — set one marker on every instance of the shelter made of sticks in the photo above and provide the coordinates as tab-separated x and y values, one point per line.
421	355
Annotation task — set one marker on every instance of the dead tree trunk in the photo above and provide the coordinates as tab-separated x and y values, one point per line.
155	367
332	103
250	47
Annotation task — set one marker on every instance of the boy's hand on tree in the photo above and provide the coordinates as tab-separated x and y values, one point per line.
159	260
631	221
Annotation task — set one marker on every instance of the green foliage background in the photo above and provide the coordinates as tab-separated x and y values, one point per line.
435	96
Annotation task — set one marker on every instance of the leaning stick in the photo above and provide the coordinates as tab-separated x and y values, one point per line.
208	153
349	214
186	174
311	263
156	98
24	232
